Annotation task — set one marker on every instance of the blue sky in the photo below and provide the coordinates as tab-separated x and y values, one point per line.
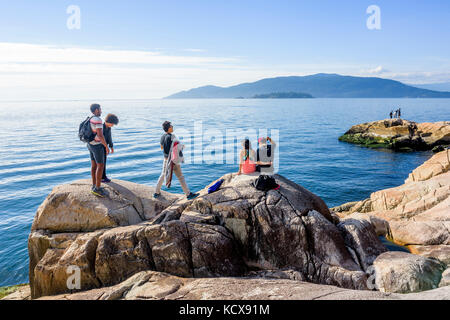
149	49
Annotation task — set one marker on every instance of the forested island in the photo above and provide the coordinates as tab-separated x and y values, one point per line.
283	95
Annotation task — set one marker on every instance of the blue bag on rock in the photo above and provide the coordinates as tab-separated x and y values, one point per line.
215	186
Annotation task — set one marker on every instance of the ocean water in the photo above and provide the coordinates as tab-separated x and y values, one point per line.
39	149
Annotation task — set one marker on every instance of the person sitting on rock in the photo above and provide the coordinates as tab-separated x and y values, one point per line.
167	143
248	160
110	121
265	153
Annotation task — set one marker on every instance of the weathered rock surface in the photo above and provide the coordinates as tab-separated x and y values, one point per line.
403	272
151	285
399	134
72	208
362	240
417	213
439	163
445	281
230	233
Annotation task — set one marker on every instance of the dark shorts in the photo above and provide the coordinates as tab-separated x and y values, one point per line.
97	152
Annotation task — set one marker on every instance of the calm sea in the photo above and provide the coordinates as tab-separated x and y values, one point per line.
39	149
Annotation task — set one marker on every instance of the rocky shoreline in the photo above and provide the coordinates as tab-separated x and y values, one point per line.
242	243
400	135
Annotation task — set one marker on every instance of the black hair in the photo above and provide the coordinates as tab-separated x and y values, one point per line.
112	118
166	125
94	107
246	144
246	148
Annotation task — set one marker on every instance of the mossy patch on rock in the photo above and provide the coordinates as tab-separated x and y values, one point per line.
367	141
5	291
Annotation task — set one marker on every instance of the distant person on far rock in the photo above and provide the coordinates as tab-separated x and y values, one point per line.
248	159
265	154
399	113
390	114
170	146
111	120
98	149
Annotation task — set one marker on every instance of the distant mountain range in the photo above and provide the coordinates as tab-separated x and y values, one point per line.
443	86
319	86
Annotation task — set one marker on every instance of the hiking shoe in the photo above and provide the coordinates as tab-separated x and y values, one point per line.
156	195
106	180
191	196
99	192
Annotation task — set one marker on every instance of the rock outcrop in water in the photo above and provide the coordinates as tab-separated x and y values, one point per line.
415	214
400	135
232	232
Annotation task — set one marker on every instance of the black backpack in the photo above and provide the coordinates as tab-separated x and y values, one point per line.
265	183
85	131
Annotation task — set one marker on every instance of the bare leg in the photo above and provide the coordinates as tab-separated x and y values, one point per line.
99	174
93	172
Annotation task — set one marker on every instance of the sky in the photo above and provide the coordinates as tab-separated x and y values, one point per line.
150	49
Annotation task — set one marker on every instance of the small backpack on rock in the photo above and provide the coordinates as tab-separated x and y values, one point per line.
265	183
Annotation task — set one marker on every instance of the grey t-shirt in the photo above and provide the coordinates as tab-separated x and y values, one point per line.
96	123
166	142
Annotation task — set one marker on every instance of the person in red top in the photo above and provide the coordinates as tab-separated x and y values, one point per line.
247	159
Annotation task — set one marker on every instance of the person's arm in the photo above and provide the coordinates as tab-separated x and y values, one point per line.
109	140
240	163
102	139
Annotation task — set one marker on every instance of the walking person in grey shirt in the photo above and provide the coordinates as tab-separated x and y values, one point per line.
166	145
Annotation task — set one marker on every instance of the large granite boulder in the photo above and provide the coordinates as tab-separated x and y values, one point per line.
417	213
231	232
403	272
399	134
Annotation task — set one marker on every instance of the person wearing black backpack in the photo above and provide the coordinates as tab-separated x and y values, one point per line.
98	149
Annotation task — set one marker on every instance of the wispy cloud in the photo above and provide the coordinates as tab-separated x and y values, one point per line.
194	50
376	71
32	53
